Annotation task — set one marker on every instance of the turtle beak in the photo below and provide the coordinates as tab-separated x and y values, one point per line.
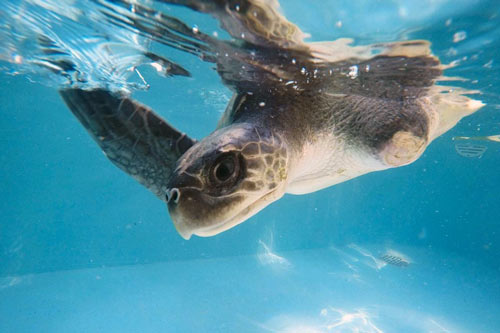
192	210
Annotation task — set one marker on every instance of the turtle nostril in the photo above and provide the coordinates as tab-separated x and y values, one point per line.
173	195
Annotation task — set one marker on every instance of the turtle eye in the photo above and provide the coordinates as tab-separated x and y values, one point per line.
225	167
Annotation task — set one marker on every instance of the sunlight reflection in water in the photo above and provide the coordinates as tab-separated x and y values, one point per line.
266	256
376	320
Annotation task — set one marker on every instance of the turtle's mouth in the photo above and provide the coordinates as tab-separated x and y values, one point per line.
186	228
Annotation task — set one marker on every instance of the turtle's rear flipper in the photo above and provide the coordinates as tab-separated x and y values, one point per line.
451	105
131	135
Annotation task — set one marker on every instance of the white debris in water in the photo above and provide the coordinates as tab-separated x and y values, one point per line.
353	72
10	281
489	64
262	104
141	77
196	29
448	22
215	34
459	36
338	24
452	52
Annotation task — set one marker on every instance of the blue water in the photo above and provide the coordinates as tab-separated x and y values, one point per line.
84	248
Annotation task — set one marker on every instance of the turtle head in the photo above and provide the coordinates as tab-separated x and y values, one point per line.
226	178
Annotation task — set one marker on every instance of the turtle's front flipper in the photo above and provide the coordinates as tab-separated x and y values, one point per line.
131	135
256	21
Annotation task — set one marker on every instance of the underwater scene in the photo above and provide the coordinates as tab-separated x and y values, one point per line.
250	166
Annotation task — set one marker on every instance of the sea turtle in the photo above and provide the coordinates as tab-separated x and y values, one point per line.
304	116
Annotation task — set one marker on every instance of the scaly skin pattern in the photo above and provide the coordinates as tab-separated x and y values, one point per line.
208	205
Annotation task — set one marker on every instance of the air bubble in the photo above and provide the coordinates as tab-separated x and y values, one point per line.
353	72
159	68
